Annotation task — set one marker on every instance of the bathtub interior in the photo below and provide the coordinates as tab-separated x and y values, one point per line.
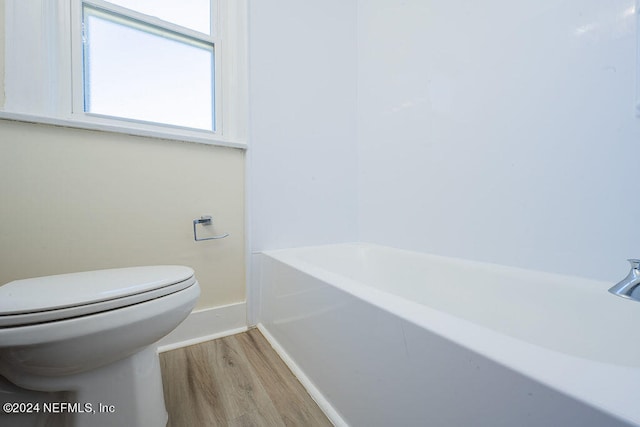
570	315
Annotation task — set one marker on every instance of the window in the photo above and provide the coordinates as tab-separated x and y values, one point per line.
135	67
150	67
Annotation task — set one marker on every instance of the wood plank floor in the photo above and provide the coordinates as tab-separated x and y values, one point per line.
234	381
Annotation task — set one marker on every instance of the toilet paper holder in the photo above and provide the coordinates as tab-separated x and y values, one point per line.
205	220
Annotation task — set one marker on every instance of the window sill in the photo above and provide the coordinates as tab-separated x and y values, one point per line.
157	132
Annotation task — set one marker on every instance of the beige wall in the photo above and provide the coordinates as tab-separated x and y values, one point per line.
73	200
1	53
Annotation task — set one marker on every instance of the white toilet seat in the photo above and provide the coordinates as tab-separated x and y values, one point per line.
64	296
95	335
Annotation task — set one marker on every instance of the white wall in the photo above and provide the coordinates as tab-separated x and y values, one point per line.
496	131
501	131
303	150
303	121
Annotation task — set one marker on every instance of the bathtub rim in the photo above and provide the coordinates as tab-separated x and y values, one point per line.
610	388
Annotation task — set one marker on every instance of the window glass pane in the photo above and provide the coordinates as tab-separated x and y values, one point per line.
139	72
194	14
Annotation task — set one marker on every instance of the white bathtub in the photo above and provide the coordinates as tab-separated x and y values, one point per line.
385	337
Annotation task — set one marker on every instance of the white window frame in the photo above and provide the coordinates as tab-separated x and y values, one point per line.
46	85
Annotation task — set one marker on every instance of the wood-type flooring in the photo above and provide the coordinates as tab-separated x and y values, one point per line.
234	381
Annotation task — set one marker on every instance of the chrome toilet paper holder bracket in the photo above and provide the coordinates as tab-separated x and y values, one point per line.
205	220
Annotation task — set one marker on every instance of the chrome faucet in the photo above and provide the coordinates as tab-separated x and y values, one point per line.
629	286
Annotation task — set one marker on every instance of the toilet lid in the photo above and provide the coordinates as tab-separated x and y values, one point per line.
45	299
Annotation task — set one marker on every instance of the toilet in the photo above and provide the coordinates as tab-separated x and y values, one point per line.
90	340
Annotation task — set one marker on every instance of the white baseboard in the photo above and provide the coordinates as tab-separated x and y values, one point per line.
207	324
313	391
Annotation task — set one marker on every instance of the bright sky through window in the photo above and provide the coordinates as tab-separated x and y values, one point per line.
194	14
142	72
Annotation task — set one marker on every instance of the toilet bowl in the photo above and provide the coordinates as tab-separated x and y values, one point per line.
92	338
